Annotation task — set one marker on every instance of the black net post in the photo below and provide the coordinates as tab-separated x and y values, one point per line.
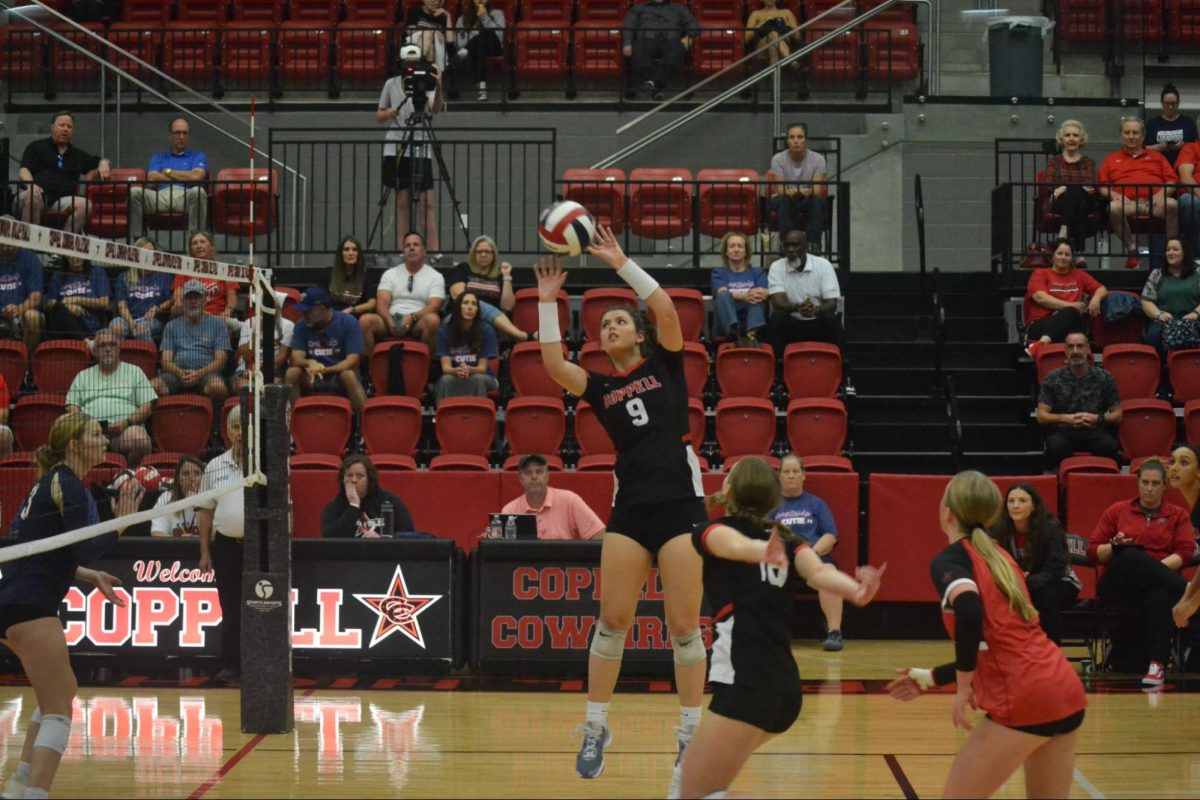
267	691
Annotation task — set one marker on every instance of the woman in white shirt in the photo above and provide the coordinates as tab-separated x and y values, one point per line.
188	473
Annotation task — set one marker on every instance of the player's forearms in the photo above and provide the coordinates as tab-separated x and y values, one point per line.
838	583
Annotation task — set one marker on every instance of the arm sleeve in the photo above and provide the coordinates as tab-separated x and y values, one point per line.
1089	284
339	520
968	630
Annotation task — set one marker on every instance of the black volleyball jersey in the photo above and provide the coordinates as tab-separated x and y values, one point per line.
645	412
752	606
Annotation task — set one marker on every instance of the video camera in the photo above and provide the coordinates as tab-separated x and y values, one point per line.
418	75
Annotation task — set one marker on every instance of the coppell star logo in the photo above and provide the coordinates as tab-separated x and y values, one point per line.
398	610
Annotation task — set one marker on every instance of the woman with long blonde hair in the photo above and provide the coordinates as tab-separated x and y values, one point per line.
1004	662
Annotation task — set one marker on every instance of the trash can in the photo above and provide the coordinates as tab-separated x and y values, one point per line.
1015	55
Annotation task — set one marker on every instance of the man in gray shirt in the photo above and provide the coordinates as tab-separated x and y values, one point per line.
656	34
798	175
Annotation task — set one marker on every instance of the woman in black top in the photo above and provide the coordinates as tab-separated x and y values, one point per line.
1037	542
755	684
357	510
351	289
490	280
33	587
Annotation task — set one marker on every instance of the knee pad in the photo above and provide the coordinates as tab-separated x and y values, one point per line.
607	643
36	719
54	733
689	648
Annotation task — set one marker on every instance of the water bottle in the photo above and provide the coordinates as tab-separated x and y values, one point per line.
510	527
495	527
389	518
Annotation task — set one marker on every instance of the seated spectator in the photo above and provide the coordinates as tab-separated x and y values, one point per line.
657	35
1184	475
195	349
1073	178
351	286
739	293
490	280
766	27
21	295
466	348
173	183
804	296
1058	298
1078	405
327	346
220	297
1141	545
50	172
357	509
426	26
408	300
561	514
798	178
6	434
245	358
808	517
1035	540
77	302
118	395
480	37
1170	131
1171	301
143	300
1124	178
188	472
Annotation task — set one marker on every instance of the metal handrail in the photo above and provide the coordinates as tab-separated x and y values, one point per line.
121	73
746	83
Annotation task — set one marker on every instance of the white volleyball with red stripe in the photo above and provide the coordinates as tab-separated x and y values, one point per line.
566	228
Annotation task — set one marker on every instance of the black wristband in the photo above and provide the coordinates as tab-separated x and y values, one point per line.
944	675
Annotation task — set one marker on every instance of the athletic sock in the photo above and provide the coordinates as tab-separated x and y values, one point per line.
597	712
36	794
23	771
689	716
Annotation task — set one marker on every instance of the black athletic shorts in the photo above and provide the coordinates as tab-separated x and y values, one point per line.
397	173
1058	727
16	614
773	710
654	524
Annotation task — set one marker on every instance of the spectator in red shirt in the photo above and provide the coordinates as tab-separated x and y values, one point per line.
1125	180
1057	298
1142	545
1189	203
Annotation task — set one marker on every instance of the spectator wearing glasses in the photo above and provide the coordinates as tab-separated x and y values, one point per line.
1137	181
50	172
1170	131
177	173
407	302
118	395
490	280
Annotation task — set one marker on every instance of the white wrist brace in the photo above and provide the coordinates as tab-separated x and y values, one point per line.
548	332
638	279
922	677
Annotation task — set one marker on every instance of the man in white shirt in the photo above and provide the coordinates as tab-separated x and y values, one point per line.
804	295
407	301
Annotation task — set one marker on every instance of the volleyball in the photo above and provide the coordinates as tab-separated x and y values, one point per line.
566	228
150	479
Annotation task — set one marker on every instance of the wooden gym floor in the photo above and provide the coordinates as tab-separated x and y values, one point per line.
850	741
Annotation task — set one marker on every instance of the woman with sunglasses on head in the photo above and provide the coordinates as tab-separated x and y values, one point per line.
491	281
350	285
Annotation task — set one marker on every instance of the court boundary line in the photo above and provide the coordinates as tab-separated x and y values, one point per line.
901	779
1088	786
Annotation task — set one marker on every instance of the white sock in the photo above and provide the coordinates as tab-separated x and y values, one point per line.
689	716
23	771
36	794
597	712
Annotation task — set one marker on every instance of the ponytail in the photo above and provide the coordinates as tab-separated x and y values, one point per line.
1002	573
47	459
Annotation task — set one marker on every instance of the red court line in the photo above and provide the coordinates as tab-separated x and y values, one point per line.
901	779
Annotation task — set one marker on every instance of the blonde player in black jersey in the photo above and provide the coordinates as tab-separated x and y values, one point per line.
658	497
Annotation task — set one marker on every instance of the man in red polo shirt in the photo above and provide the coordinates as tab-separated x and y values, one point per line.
1124	180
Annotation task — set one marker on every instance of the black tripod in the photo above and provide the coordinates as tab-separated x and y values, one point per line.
414	147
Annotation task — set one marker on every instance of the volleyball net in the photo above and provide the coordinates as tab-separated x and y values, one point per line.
159	348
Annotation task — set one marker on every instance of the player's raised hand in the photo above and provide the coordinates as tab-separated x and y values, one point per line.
605	247
551	278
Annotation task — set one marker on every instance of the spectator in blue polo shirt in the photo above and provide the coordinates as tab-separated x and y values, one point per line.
177	173
78	299
195	350
327	346
21	294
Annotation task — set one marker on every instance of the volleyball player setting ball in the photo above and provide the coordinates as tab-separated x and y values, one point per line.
1004	662
748	578
659	496
33	588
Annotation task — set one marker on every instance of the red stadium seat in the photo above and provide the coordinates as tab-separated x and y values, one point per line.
1147	427
414	361
1086	463
229	405
1184	368
1191	422
189	52
717	47
695	368
24	54
210	12
608	11
812	369
816	426
541	51
546	12
745	371
598	49
235	188
322	462
142	354
689	305
151	11
729	201
315	12
893	51
697	422
57	362
304	53
1187	23
457	462
745	426
535	425
312	490
68	66
729	462
14	361
33	416
264	12
1126	331
1049	358
525	311
553	463
596	301
321	424
163	462
593	359
246	51
528	374
590	434
604	462
373	12
838	59
139	39
600	191
15	482
1135	368
466	426
361	52
108	203
391	424
827	464
389	462
103	473
660	205
1143	20
726	12
182	423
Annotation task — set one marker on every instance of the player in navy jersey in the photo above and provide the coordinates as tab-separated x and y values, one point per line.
749	582
1004	662
32	588
658	497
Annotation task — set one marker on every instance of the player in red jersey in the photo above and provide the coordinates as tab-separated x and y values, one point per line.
1004	662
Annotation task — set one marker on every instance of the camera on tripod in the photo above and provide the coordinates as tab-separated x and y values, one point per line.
418	75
